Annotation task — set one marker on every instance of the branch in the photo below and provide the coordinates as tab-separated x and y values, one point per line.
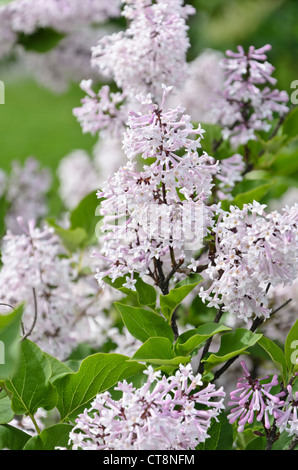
293	444
257	322
35	316
209	341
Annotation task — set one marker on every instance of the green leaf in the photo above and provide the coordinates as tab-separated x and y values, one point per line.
96	374
221	435
255	194
159	351
170	302
72	239
232	344
50	438
3	210
275	144
6	413
58	368
290	125
291	348
191	339
30	386
259	443
86	215
283	442
144	324
145	294
212	441
10	341
276	355
210	137
42	40
12	438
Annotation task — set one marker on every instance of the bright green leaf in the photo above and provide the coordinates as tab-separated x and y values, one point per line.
50	438
12	438
58	368
85	215
255	194
232	344
290	126
191	339
30	386
159	351
6	413
72	239
170	302
276	355
145	294
96	374
144	324
10	341
291	348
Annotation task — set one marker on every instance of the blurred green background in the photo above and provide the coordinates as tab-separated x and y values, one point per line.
36	122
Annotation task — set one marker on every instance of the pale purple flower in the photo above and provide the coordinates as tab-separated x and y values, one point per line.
151	51
103	112
148	212
202	87
248	102
68	62
63	304
253	249
28	16
287	415
34	273
27	188
252	400
230	172
161	414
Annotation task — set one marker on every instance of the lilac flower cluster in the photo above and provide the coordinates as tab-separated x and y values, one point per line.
253	249
103	111
256	399
33	273
26	191
151	51
202	87
62	307
68	62
252	399
151	213
27	16
248	101
231	172
287	415
165	413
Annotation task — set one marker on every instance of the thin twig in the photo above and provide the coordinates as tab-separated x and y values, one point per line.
257	322
209	341
293	444
35	316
